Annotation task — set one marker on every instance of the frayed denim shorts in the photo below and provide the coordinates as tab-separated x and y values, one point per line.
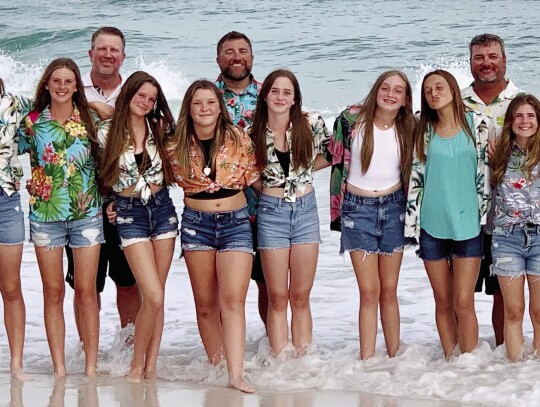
77	233
11	219
282	224
219	231
373	225
433	248
516	250
138	222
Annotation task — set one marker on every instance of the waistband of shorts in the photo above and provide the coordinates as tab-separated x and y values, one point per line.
368	200
528	227
215	215
301	201
155	198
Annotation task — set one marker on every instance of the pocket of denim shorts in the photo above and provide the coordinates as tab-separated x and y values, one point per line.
190	217
267	207
241	217
499	231
349	206
121	206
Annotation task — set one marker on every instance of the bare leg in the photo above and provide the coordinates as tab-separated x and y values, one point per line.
52	275
534	309
14	309
441	280
86	263
276	273
497	317
128	302
201	267
389	276
262	302
514	304
466	271
233	271
303	263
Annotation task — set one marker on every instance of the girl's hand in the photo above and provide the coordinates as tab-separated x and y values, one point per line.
111	212
31	186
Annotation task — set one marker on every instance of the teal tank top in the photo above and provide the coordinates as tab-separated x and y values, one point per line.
450	203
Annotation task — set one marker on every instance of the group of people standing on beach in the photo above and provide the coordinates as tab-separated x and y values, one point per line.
104	151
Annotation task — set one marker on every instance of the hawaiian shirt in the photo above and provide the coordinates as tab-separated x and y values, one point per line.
63	168
496	109
273	174
483	130
518	196
236	168
129	170
241	106
12	110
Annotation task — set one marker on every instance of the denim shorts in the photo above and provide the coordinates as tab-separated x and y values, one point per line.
77	233
373	225
433	248
138	222
220	231
11	219
282	224
516	250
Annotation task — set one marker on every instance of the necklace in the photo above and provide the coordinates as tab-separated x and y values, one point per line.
207	147
207	170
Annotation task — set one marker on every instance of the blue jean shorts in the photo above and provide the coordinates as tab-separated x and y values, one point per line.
433	248
516	250
11	219
220	231
282	224
373	225
138	222
75	233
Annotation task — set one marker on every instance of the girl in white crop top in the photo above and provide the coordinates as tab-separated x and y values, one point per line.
371	152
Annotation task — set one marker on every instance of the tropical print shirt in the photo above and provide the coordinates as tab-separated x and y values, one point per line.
482	131
12	110
236	168
496	109
273	174
63	168
241	106
129	170
518	196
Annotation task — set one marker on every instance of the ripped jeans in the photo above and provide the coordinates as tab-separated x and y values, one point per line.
516	250
138	222
77	233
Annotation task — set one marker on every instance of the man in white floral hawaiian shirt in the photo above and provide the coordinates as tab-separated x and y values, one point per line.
490	93
240	91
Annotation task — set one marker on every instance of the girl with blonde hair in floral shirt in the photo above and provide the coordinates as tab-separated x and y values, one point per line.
65	205
516	243
289	146
12	110
135	165
214	161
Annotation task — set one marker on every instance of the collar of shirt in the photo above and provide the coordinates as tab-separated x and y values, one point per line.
47	116
510	92
252	89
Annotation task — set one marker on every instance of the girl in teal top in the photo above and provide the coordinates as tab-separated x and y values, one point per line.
447	202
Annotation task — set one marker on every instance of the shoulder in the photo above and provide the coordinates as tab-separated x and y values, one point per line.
87	80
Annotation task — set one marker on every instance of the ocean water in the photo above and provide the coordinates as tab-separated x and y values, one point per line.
337	49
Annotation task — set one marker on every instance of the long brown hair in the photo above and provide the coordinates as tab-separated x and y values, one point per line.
430	116
508	137
185	131
302	134
119	136
405	124
43	99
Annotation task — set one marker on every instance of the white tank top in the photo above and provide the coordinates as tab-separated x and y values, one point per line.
385	168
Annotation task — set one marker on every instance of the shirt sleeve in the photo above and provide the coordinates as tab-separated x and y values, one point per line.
321	134
249	160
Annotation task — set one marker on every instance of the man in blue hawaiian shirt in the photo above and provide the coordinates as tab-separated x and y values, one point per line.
240	91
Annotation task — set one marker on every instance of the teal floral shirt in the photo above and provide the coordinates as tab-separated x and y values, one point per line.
273	174
12	110
241	106
129	170
518	196
482	131
63	168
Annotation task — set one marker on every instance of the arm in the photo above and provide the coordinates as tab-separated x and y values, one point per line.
103	110
320	162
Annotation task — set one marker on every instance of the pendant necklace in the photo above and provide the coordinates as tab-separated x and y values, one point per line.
207	170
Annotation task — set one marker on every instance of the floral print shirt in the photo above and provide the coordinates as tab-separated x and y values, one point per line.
241	106
482	131
273	174
12	110
235	168
129	170
518	197
63	168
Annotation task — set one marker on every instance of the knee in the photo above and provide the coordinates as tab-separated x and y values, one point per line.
278	301
369	296
299	300
54	296
12	293
444	305
155	301
464	305
535	315
207	309
85	295
388	295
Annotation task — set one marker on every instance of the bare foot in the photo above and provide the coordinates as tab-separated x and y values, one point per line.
135	375
150	374
60	372
90	371
17	373
240	384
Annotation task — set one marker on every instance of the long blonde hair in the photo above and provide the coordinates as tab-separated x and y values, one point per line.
508	137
